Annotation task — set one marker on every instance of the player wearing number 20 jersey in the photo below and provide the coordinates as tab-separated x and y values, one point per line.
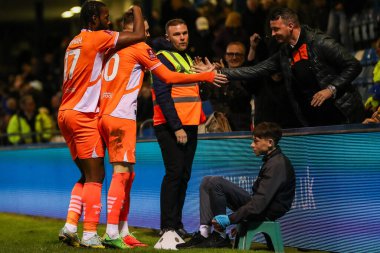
121	82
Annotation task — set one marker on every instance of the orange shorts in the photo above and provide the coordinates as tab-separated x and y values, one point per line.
81	133
119	136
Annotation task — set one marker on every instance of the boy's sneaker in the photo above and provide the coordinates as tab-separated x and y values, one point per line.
94	242
215	240
69	238
133	242
117	243
195	240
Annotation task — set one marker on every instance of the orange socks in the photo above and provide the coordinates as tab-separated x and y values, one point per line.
92	205
116	195
127	199
75	206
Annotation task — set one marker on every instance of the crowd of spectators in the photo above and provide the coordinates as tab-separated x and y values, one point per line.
212	25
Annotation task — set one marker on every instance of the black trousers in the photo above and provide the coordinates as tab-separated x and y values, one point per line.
178	160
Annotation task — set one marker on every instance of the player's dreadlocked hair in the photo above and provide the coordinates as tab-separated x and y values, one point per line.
89	9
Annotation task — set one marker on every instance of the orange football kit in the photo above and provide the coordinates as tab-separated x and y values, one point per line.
122	79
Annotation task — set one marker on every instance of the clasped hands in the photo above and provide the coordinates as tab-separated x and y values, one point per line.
200	66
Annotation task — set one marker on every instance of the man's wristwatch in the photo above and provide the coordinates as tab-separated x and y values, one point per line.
332	88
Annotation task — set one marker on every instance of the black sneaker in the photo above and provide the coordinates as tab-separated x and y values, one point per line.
164	230
183	233
196	239
215	240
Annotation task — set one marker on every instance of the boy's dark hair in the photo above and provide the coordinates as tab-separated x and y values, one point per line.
268	130
89	9
286	14
174	22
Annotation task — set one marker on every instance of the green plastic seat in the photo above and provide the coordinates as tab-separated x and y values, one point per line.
271	230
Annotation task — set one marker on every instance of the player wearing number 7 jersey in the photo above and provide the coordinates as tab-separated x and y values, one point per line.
78	117
122	78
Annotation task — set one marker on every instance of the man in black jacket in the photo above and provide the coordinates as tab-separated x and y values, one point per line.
273	192
317	72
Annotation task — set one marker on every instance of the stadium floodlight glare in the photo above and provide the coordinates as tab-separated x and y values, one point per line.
67	14
75	9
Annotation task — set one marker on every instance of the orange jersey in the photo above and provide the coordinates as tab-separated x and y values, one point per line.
122	78
83	66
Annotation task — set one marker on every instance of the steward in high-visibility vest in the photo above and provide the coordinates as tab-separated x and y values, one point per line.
186	97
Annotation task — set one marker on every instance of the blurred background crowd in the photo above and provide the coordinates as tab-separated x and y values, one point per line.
31	62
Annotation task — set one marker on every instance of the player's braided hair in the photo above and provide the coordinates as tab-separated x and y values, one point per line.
89	9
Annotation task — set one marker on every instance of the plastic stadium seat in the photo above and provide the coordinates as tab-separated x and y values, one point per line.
271	230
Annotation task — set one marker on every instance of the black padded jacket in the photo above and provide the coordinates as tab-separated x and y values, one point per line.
273	190
331	64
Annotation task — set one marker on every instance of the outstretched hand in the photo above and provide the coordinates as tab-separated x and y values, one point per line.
200	66
219	65
219	79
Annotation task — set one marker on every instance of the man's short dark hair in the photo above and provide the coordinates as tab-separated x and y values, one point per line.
89	9
268	130
174	22
286	14
127	18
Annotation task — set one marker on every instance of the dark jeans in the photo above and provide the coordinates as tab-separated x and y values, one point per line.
216	194
178	160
